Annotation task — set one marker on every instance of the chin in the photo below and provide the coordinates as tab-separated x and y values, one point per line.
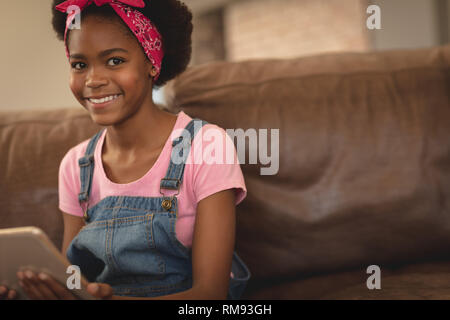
102	120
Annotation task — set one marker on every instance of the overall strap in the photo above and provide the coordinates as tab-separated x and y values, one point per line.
87	164
180	151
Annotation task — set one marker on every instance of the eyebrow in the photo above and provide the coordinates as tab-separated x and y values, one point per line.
101	54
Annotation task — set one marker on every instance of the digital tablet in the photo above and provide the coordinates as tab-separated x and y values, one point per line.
30	248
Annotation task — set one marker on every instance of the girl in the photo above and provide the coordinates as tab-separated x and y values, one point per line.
137	221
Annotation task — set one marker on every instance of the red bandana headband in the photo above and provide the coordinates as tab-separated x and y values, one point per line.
144	30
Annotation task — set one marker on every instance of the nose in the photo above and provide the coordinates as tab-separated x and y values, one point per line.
95	78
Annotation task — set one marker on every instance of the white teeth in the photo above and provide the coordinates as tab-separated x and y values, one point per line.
103	100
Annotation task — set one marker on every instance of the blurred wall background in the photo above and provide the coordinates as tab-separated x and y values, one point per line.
35	71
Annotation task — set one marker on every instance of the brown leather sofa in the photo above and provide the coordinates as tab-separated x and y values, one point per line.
363	179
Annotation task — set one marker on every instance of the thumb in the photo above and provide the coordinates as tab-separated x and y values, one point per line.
100	290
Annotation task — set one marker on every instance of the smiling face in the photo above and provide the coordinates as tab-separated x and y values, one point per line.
110	75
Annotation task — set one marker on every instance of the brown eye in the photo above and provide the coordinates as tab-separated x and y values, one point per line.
115	61
75	64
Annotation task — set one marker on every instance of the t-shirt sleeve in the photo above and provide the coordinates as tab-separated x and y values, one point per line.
68	186
216	165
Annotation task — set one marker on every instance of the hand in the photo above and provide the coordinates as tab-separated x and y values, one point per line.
100	290
6	294
44	287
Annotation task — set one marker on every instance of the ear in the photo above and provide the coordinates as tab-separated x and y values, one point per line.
153	72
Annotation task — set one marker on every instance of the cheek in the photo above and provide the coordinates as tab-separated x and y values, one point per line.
133	80
76	85
130	81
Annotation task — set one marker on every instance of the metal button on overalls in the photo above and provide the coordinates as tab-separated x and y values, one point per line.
166	204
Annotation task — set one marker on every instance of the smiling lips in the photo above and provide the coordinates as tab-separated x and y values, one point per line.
103	100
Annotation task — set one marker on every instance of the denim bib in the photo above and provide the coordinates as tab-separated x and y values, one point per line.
130	243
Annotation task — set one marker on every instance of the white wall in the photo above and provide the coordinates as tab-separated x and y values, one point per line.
34	68
406	24
35	72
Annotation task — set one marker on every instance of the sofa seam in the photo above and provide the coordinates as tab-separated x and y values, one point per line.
307	77
44	122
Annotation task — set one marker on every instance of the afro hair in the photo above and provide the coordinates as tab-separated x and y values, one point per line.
173	20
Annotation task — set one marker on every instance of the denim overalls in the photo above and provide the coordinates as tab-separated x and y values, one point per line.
130	242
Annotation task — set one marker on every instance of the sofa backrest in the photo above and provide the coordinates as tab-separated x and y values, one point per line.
364	156
32	145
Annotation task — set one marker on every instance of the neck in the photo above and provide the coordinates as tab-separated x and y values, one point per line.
143	132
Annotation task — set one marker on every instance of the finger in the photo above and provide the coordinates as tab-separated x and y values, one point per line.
100	290
12	295
36	288
27	286
45	290
29	289
59	290
6	294
3	292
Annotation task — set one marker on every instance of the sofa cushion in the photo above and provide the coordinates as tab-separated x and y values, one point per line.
33	144
364	156
417	281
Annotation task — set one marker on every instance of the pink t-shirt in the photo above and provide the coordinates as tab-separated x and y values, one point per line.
200	180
